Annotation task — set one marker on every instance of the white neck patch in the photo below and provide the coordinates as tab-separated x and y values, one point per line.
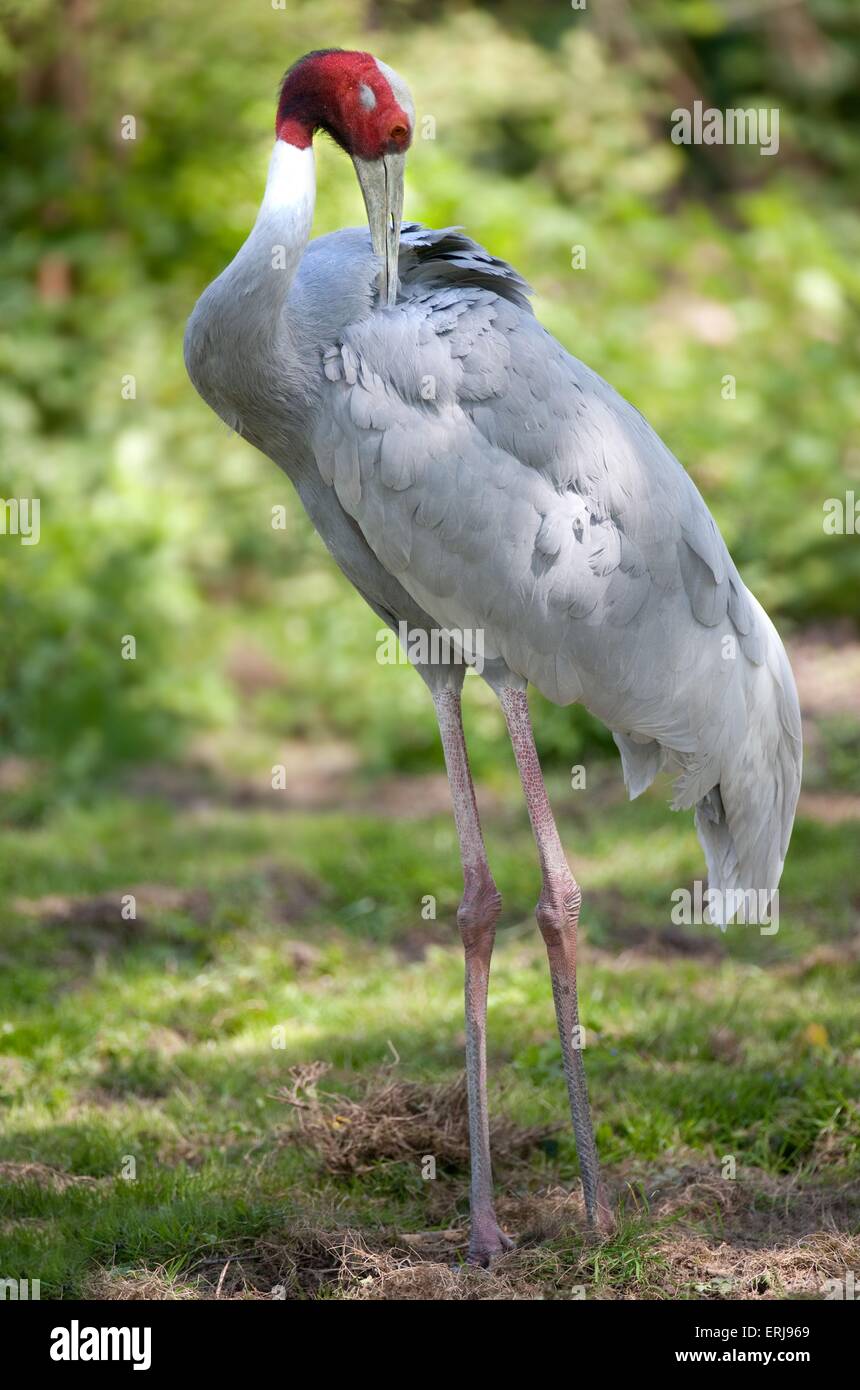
291	182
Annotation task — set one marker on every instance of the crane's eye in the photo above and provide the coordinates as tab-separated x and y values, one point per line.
399	132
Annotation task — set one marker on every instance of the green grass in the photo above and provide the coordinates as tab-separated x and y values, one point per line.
153	1039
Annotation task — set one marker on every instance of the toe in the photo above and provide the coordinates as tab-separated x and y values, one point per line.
484	1249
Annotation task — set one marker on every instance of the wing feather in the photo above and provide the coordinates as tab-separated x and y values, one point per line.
510	489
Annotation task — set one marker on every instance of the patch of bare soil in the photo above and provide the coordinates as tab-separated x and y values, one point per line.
413	944
97	925
104	910
831	954
412	798
17	773
292	895
621	934
831	808
96	921
661	943
392	1120
826	665
320	777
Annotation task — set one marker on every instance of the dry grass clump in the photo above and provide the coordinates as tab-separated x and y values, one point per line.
112	1285
42	1175
395	1274
757	1236
554	1258
729	1269
393	1120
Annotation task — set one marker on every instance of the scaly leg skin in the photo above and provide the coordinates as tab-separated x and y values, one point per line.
557	915
476	918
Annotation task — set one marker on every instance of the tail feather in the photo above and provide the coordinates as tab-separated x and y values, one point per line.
745	789
745	829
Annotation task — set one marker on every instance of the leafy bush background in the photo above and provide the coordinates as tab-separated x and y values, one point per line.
551	130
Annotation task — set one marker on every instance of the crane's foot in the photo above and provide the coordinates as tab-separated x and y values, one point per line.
486	1244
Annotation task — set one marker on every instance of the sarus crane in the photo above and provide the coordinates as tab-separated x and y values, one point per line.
468	475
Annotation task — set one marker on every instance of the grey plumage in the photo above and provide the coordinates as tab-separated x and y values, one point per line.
527	499
466	472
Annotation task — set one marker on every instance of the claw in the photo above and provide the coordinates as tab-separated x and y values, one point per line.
483	1251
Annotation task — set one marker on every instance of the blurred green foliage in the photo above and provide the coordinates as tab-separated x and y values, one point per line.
550	130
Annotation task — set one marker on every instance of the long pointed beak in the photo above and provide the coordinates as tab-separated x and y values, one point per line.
381	182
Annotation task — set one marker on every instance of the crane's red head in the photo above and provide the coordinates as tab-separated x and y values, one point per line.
360	102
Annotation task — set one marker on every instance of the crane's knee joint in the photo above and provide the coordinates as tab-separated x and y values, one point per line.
557	911
479	912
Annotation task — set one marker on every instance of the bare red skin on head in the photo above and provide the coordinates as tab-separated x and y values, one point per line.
323	92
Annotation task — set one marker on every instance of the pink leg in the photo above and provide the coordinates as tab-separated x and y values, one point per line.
476	918
558	917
